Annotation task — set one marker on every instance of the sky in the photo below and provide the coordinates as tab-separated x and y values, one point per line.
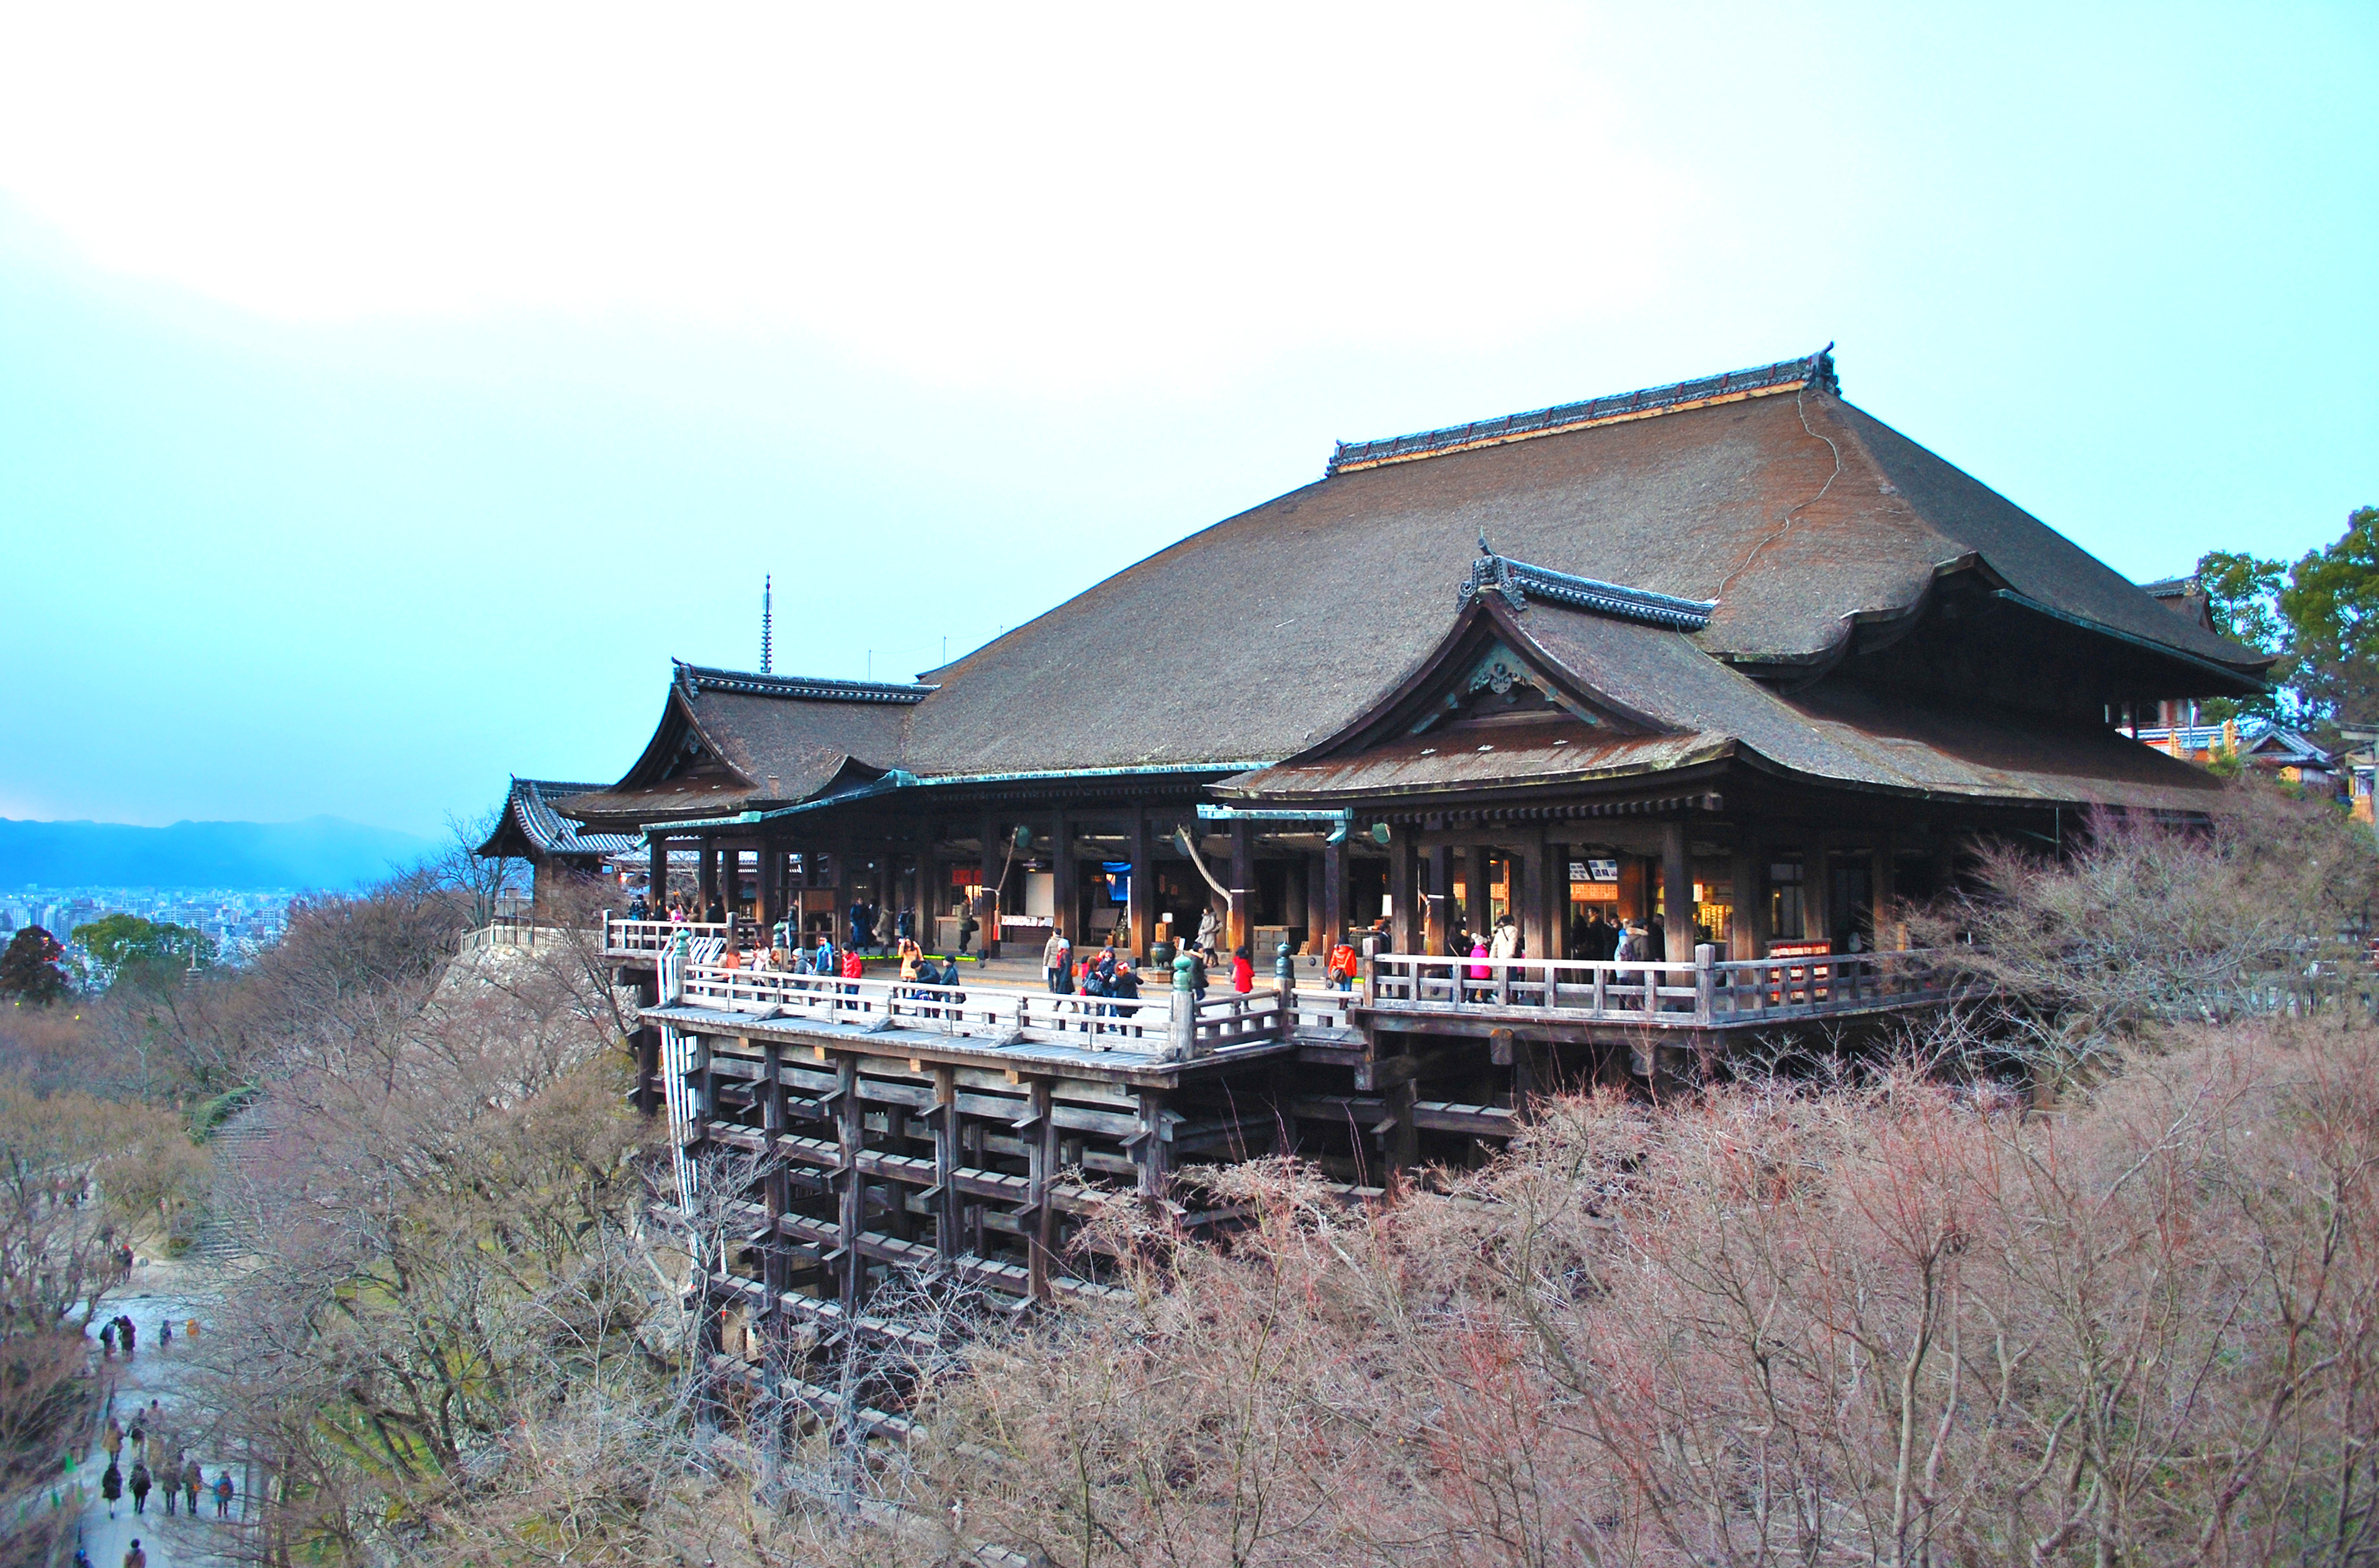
387	394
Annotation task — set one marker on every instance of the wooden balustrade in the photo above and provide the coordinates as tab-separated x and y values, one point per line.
1709	991
657	935
1002	1015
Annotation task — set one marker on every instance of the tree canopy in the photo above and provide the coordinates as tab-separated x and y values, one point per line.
120	942
29	969
2320	615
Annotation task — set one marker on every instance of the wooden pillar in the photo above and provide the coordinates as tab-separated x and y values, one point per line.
1816	889
1239	923
1140	898
1334	898
1535	941
1153	1153
1437	930
994	857
1065	895
1677	892
1557	901
1041	1171
850	1218
1749	938
846	889
1293	901
657	895
772	1126
1405	925
933	880
948	1241
1882	887
648	1067
706	877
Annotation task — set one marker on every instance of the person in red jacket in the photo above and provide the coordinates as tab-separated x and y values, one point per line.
1243	970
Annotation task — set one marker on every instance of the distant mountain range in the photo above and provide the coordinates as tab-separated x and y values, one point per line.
323	852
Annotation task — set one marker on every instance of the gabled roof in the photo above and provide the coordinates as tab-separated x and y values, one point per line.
2287	747
1690	710
529	827
732	741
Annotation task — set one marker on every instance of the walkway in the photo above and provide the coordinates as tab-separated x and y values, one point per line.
154	1373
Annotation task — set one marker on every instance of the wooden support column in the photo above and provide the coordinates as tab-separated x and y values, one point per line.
1556	903
772	1125
1139	898
1816	889
1153	1155
1066	894
1536	940
1333	900
949	1242
1294	907
851	1187
994	857
1677	891
1439	929
846	889
1749	937
1882	887
706	878
1407	925
933	881
1042	1153
658	875
648	1066
1239	926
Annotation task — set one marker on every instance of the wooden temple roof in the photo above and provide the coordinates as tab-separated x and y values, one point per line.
1689	538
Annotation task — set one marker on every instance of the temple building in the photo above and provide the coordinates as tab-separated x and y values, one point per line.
1729	659
1732	653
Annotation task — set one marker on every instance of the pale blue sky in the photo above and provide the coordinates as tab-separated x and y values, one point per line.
381	406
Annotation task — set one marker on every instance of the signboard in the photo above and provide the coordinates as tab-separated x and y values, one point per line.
1799	949
1594	871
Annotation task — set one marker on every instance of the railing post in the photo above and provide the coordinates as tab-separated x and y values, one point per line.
1284	972
1705	980
1182	1028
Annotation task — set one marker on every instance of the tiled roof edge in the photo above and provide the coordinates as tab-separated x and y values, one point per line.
696	679
1519	583
1786	375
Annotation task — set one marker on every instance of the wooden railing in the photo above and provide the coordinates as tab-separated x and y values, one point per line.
1151	1024
656	935
1707	991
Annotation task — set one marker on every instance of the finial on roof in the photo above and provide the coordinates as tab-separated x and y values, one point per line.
1484	548
767	652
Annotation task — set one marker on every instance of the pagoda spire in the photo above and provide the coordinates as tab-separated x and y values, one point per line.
766	651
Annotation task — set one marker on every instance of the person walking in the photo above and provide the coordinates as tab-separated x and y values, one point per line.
124	1326
111	1438
107	1343
1209	928
168	1478
222	1495
192	1478
110	1486
1243	970
140	1483
134	1556
1056	962
165	1334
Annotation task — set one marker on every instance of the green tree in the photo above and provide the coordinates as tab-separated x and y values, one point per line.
2242	594
2331	604
29	969
122	943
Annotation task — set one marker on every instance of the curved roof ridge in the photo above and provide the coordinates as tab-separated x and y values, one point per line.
1760	381
698	678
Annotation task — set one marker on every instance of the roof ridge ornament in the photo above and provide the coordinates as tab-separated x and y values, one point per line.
1518	582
